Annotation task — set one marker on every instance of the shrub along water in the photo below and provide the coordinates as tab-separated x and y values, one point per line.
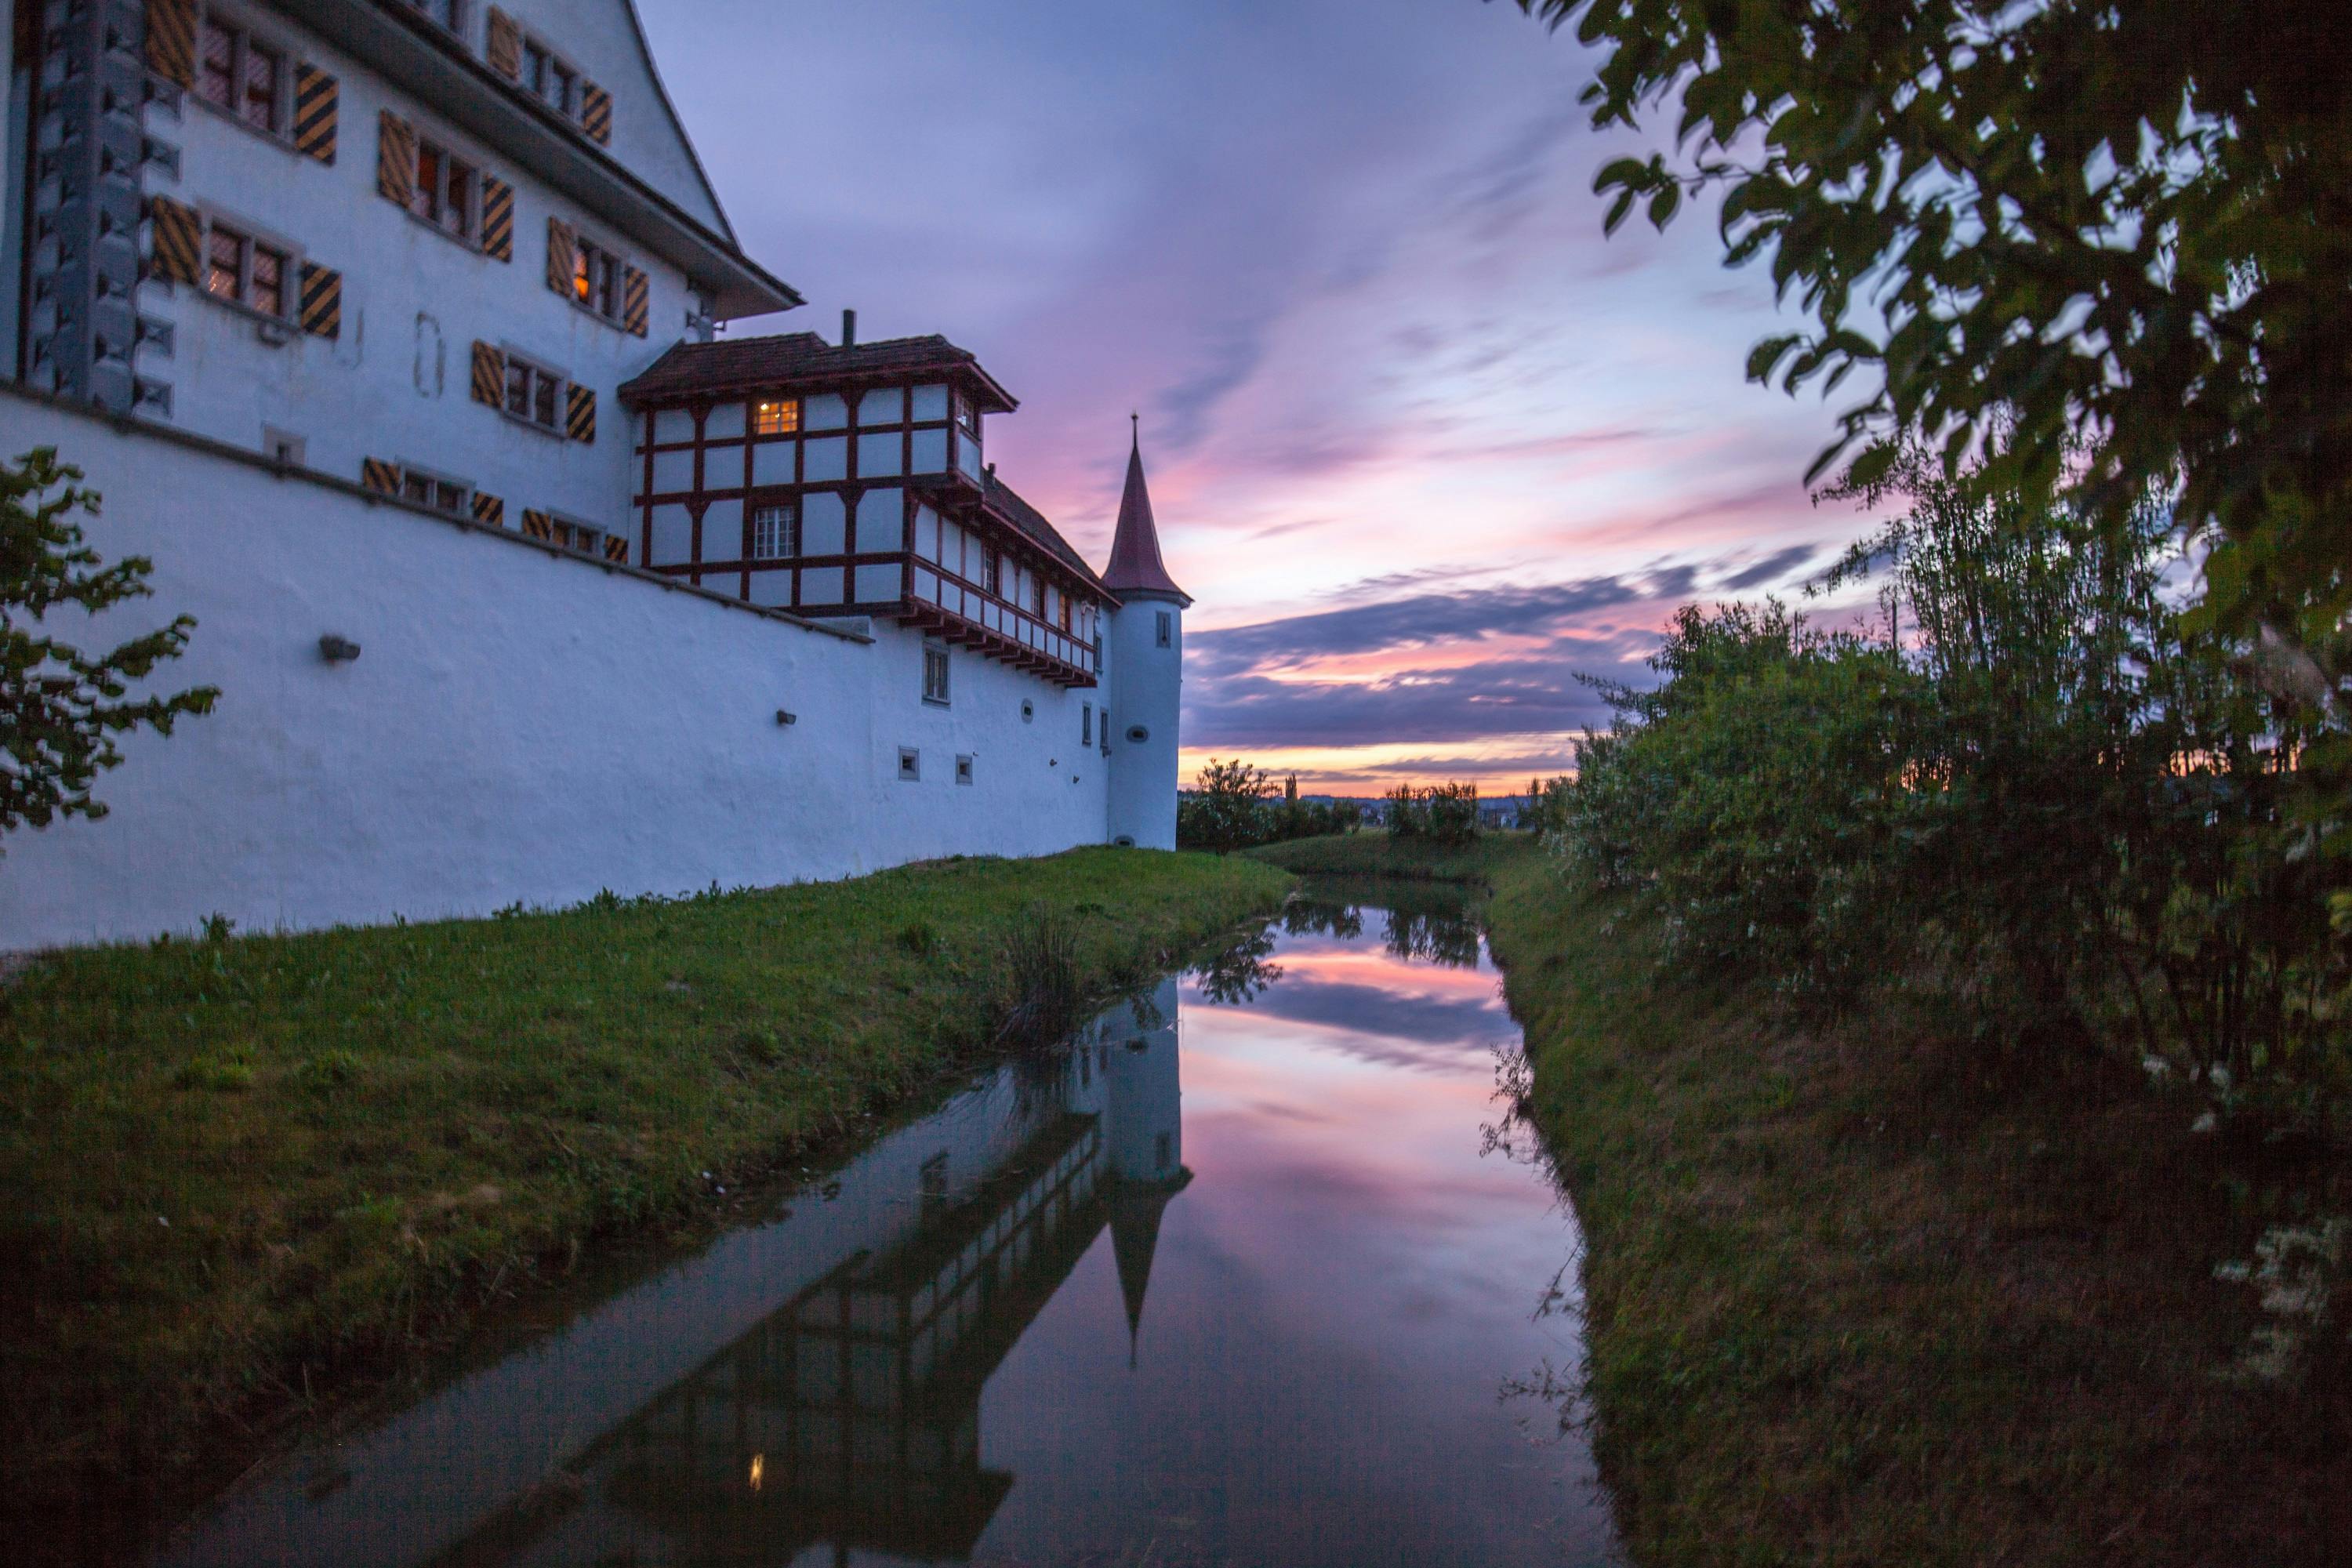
1231	805
2024	792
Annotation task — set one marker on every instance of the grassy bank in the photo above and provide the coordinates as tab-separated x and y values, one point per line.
237	1167
1372	853
1848	1305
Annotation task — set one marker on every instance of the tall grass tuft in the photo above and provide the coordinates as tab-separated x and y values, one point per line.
1040	993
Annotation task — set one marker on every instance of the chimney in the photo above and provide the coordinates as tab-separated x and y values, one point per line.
849	329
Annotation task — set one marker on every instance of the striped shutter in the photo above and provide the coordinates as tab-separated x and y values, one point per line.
636	297
488	509
562	255
498	219
380	475
616	549
596	113
490	374
171	40
317	104
579	413
503	46
538	524
396	158
178	231
322	301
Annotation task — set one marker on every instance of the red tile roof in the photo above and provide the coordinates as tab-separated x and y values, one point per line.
1135	569
803	359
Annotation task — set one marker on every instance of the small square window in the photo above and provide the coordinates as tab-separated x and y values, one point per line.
963	768
775	415
776	532
910	765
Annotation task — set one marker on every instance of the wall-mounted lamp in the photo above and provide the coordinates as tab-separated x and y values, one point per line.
338	650
783	718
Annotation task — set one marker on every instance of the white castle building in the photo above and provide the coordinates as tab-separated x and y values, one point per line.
387	329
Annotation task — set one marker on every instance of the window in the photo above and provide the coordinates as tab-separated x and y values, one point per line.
244	271
428	489
534	393
282	446
1066	612
1037	595
991	572
775	415
963	768
935	673
968	414
579	536
910	765
548	78
596	280
1087	724
776	532
242	76
1167	625
445	190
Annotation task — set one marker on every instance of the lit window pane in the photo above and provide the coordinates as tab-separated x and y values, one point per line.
225	263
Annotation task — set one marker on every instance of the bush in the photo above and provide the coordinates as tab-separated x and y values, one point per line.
2024	792
1444	814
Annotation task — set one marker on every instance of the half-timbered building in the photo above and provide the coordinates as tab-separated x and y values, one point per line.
393	332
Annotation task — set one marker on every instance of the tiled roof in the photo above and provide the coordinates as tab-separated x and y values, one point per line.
788	359
1004	502
1135	567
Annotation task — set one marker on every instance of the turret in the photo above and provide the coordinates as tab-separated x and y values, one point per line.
1146	676
1146	1122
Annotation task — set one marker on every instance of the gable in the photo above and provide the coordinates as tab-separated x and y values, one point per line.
605	43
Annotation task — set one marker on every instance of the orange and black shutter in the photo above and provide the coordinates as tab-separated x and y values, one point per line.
396	158
317	101
504	45
381	476
178	240
322	301
579	413
489	374
562	255
635	301
488	509
538	524
616	549
171	40
498	219
596	113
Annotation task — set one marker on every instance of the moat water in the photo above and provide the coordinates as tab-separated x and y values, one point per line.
1255	1273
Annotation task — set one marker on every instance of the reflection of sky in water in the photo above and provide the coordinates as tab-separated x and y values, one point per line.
1242	1291
1337	1299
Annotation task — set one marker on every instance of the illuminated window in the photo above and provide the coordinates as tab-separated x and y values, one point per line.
776	532
243	272
596	280
445	191
775	415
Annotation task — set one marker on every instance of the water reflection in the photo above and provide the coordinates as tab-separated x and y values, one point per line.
943	1353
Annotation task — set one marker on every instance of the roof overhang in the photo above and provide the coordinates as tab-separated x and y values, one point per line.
408	50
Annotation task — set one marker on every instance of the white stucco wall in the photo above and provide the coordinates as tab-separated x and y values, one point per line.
519	726
397	383
1146	683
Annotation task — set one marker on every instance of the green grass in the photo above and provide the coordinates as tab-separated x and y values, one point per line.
1372	853
239	1168
1851	1303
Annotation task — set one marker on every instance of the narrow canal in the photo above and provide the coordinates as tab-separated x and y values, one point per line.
1242	1277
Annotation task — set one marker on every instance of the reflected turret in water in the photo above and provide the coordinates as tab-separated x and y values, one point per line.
943	1352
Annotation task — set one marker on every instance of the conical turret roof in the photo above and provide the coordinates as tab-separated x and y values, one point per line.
1135	1211
1136	571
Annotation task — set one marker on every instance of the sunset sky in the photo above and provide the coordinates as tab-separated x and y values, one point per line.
1424	444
